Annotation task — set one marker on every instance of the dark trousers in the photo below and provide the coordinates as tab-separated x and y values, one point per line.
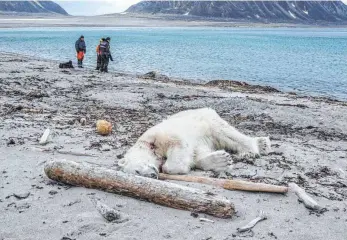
98	61
105	58
79	60
80	63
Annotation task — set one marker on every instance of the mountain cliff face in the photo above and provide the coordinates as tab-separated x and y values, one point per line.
31	7
331	11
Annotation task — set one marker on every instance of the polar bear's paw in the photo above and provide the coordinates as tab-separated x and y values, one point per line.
264	145
218	161
249	156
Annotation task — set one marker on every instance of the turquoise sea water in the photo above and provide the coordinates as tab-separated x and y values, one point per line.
311	61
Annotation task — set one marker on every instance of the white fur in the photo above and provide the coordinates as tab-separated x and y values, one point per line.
191	139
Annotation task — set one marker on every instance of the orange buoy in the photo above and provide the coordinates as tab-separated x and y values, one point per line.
103	127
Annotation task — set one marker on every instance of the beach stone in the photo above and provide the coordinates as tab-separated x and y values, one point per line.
110	214
105	148
155	76
52	192
83	121
161	95
11	142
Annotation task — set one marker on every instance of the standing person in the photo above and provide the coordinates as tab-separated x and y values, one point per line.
98	54
81	49
105	54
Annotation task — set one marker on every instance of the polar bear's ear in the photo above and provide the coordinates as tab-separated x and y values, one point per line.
151	145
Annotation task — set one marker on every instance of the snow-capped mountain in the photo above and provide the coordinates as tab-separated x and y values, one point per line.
31	7
331	11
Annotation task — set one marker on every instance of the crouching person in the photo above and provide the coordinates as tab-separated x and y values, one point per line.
105	54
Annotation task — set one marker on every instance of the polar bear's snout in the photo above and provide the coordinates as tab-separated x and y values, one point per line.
143	170
140	161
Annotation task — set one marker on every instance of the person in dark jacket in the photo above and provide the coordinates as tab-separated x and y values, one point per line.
105	54
81	49
98	55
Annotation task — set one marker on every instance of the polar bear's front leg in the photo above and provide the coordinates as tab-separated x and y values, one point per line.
218	161
179	160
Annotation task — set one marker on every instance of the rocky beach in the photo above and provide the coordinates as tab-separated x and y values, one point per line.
309	137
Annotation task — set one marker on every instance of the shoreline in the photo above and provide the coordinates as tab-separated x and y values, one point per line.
235	85
309	140
143	20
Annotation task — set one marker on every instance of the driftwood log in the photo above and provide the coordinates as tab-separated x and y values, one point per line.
156	191
227	184
304	198
261	216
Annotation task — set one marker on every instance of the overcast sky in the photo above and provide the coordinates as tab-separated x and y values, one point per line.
97	7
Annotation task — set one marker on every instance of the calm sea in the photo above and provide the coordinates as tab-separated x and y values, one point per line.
310	61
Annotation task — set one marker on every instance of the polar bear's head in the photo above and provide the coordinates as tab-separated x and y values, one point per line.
141	160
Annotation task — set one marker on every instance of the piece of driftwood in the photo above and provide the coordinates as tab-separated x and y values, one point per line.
44	138
261	216
227	184
35	149
159	192
32	110
75	153
206	220
303	197
21	195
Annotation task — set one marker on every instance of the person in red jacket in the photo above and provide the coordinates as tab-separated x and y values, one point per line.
81	49
98	54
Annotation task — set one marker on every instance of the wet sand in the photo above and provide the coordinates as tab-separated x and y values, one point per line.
309	137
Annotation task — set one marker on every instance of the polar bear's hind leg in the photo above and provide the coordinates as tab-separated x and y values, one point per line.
244	146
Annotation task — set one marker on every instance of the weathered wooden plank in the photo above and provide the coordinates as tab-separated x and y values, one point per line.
156	191
227	184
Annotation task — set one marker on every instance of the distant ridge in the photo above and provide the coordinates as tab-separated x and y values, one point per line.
48	7
272	11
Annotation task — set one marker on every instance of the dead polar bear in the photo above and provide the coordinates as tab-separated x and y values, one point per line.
190	139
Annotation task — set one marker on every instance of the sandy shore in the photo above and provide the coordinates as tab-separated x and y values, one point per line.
309	140
139	20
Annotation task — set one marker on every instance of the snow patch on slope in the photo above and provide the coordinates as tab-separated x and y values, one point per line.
292	14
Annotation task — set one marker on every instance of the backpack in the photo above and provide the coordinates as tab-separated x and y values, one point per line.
66	65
